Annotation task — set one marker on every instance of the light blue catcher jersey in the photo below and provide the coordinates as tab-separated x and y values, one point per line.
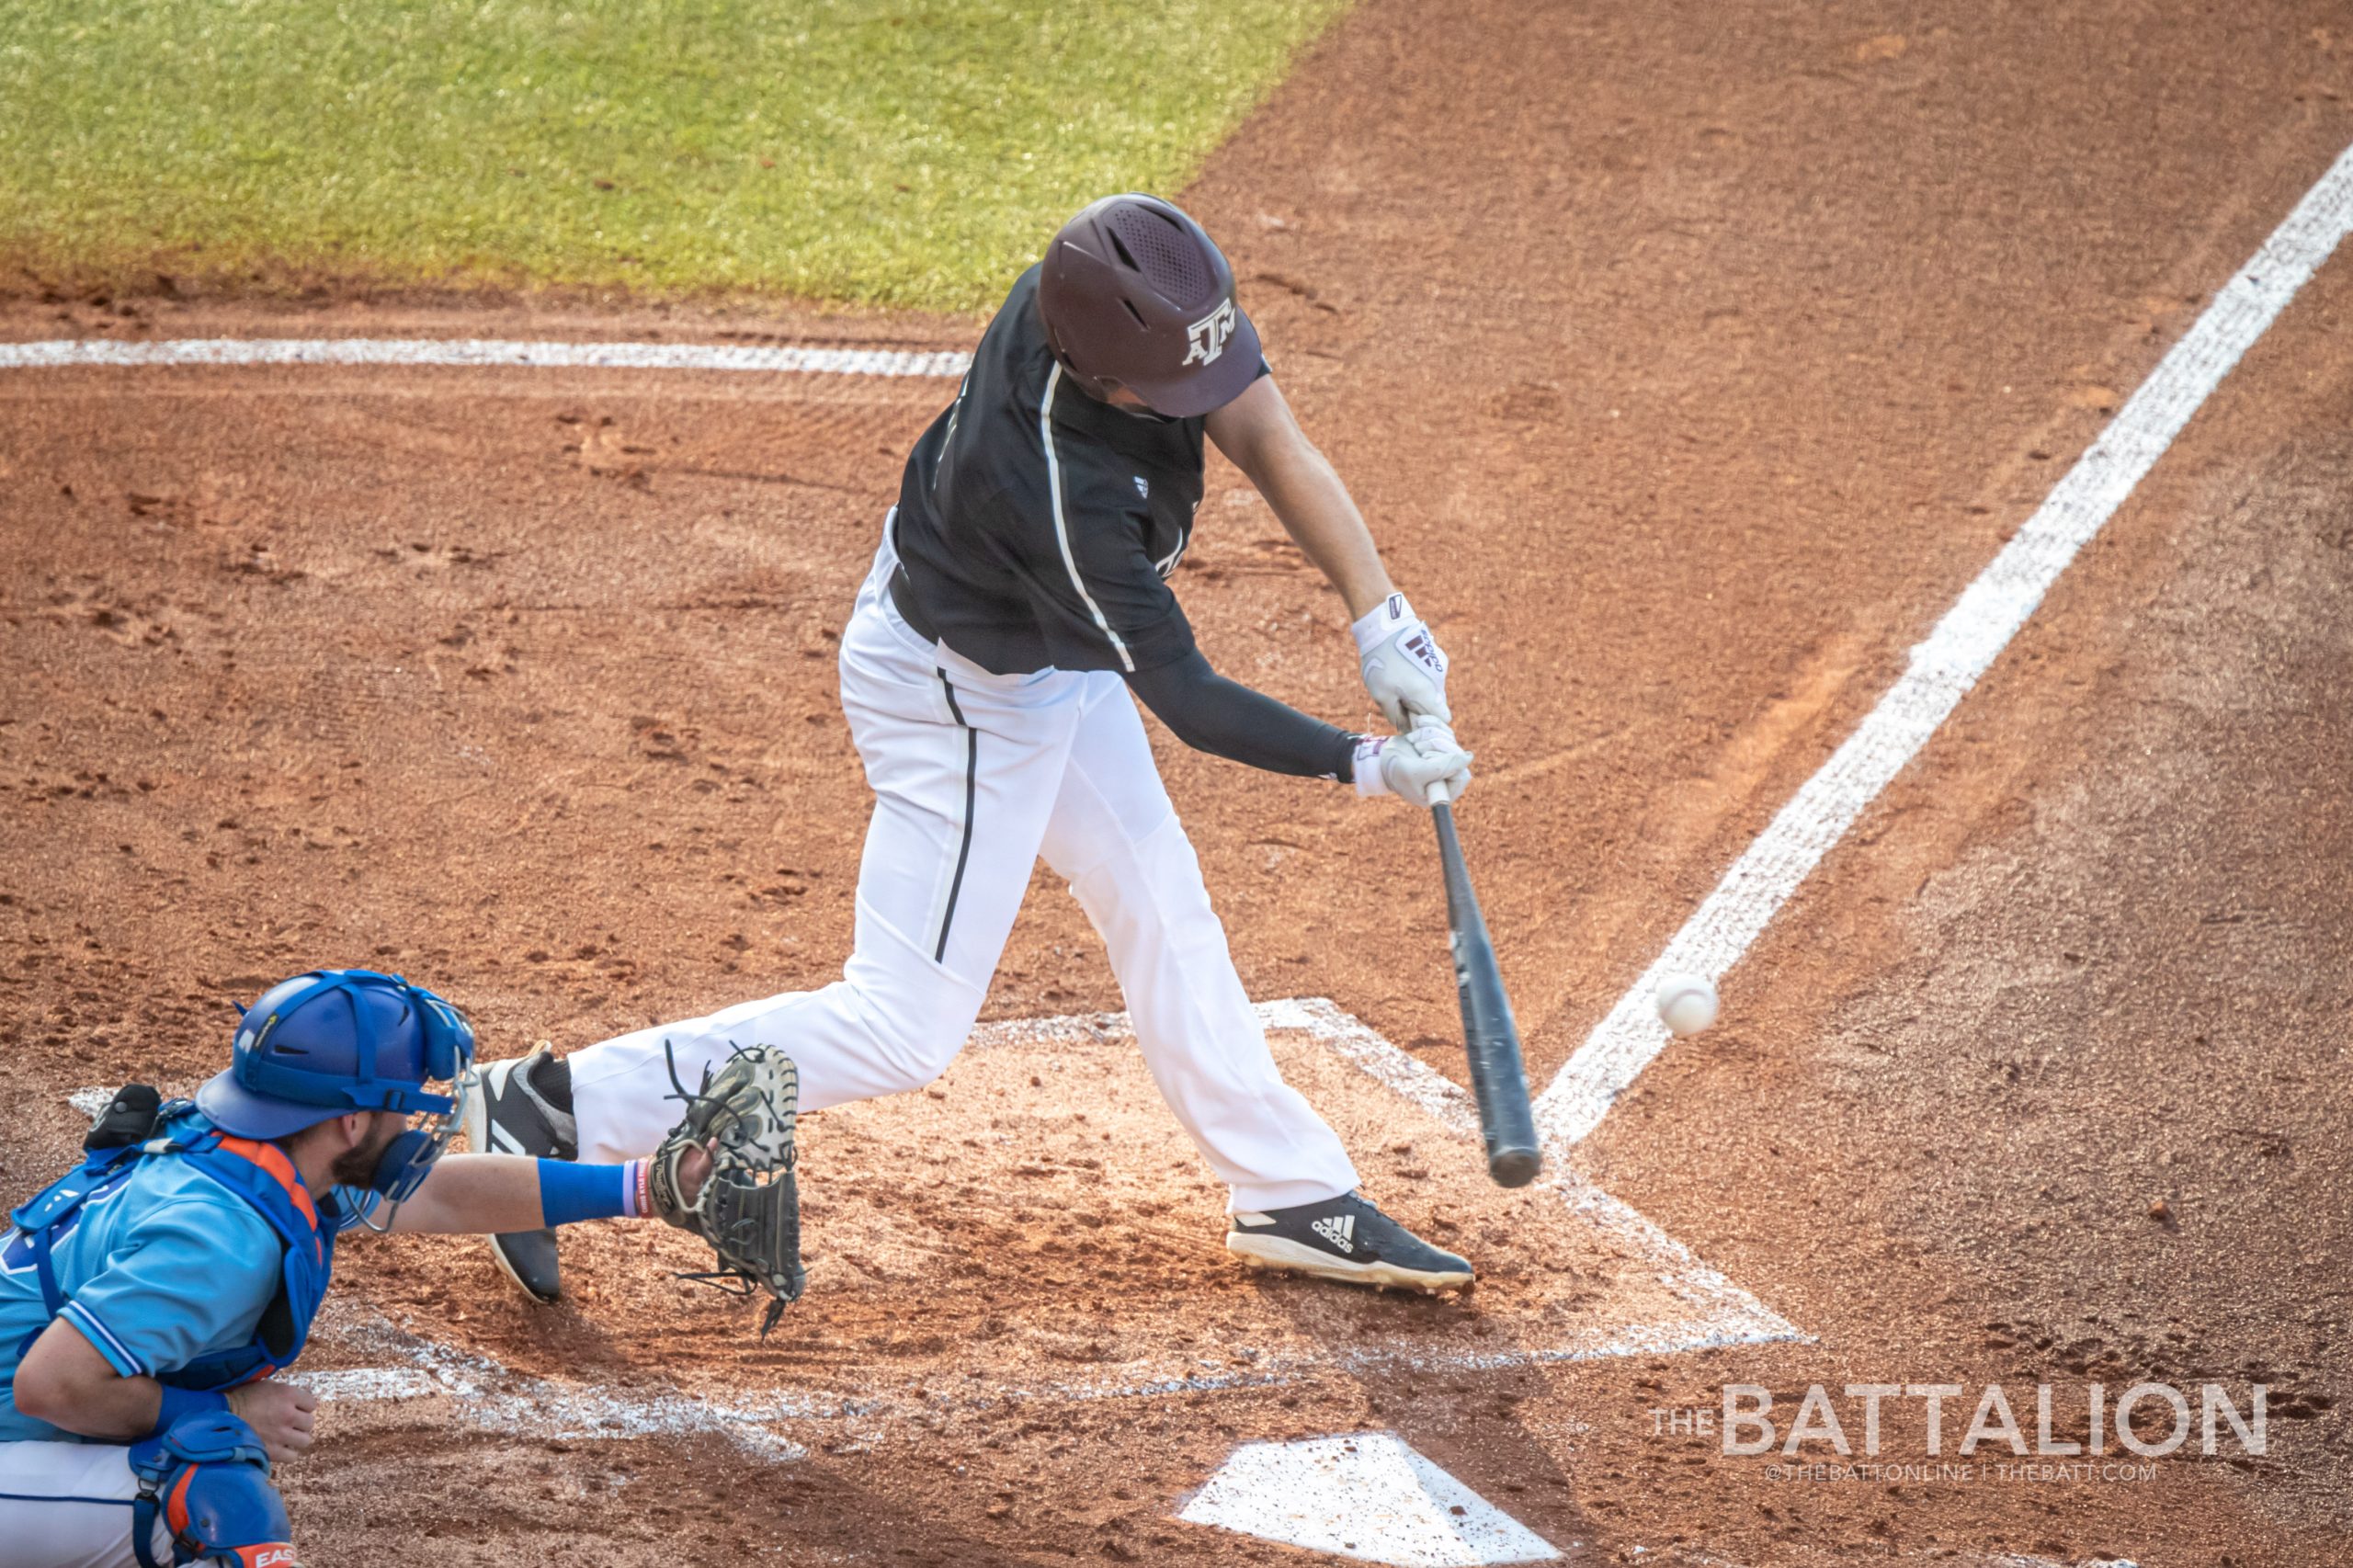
159	1267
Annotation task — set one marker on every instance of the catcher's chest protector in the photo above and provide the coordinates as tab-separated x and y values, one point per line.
259	1173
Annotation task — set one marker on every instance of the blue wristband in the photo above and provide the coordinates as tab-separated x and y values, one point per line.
570	1192
178	1402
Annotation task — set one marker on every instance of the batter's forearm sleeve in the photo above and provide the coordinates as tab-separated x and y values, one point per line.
1227	719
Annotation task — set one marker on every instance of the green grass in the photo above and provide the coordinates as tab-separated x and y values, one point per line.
915	153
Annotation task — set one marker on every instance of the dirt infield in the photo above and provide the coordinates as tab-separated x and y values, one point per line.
1689	368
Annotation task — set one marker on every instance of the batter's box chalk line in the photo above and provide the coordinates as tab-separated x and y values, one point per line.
487	1397
1713	1313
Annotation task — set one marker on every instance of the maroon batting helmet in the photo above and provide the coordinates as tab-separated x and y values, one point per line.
1134	294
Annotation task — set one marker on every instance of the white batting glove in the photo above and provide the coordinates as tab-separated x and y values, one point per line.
1407	764
1403	665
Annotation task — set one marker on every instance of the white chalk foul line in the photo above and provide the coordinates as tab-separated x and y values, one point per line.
484	352
1714	1313
1943	668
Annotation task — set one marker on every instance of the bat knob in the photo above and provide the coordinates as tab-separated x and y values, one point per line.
1513	1168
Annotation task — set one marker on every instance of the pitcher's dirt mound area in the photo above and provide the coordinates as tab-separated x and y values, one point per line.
1688	364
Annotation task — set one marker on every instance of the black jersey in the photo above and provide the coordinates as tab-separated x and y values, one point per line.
1037	527
1037	524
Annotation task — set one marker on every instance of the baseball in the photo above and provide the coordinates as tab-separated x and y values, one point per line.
1687	1003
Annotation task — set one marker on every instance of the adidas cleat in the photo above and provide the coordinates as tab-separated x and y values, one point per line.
1345	1238
505	1112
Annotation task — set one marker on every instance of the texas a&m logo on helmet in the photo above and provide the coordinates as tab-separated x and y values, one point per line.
1205	337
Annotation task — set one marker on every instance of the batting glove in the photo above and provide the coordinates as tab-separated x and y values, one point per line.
1407	764
1403	665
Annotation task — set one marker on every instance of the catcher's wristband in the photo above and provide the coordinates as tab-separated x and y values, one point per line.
178	1402
571	1192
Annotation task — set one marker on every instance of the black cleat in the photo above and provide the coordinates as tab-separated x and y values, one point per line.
528	1259
1345	1238
505	1113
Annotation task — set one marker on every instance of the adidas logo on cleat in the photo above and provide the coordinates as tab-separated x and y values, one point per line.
1340	1230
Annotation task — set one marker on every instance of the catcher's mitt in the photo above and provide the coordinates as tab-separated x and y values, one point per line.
748	1208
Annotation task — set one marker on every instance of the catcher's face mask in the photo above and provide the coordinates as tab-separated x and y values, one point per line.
407	1160
356	1040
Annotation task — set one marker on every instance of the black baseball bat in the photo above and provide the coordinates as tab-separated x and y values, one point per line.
1498	1079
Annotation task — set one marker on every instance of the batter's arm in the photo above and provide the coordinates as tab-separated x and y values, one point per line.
1226	719
1259	435
1398	654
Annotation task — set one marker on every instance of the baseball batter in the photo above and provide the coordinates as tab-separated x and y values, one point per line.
1018	606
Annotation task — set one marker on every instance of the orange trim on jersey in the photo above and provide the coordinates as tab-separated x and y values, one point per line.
272	1158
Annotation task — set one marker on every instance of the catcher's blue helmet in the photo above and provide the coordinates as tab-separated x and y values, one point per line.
338	1041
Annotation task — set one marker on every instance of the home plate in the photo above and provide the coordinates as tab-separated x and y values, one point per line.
1368	1496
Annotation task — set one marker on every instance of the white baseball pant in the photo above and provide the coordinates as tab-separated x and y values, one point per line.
68	1505
975	774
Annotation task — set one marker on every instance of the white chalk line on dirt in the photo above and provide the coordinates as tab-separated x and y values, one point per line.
492	1397
476	352
1942	669
488	1397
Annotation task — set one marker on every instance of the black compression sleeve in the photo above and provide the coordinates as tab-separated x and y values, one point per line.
1227	719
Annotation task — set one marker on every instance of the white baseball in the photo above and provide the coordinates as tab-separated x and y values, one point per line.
1687	1003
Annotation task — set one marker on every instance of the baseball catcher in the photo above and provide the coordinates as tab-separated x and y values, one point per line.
150	1297
1017	610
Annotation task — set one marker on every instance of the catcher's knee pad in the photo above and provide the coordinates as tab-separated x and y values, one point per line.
208	1477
